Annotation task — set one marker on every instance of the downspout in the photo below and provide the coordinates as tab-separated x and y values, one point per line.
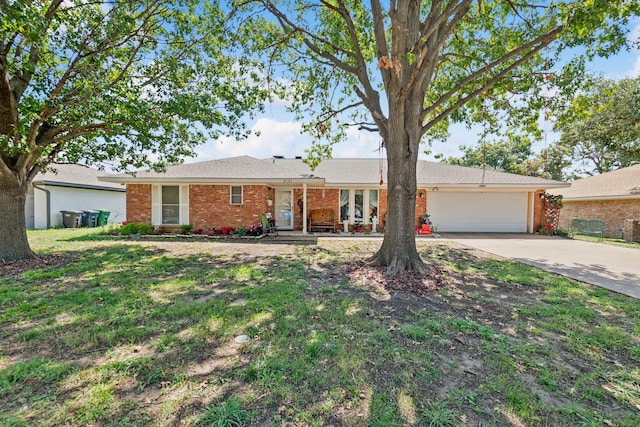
48	193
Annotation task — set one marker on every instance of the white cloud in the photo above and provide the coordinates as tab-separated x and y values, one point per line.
276	138
283	138
635	71
634	37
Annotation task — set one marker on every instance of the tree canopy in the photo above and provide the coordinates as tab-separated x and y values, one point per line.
408	70
132	83
514	155
600	127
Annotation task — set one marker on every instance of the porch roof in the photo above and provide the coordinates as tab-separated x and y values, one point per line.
367	172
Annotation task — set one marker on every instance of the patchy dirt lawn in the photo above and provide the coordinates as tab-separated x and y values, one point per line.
468	344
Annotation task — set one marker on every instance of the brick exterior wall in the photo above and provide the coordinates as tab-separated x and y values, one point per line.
210	206
612	212
317	198
421	205
138	203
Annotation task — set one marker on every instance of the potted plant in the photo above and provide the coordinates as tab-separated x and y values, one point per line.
424	219
426	224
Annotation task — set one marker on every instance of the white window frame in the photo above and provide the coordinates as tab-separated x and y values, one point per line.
231	194
156	204
365	204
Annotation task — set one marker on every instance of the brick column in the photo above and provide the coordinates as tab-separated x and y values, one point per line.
632	230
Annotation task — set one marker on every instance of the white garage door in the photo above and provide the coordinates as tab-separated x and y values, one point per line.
478	212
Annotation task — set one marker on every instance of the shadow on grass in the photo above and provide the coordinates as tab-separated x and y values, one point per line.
181	238
136	335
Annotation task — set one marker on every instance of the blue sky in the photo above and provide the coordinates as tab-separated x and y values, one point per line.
280	134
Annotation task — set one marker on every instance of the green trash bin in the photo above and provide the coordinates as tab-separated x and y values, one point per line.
103	216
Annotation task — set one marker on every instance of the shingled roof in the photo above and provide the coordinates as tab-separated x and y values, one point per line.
331	172
619	184
429	174
233	169
75	176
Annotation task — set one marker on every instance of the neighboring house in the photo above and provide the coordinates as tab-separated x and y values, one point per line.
613	197
71	187
236	191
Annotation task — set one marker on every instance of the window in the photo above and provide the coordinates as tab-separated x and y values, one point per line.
358	202
344	205
373	204
358	205
170	204
236	194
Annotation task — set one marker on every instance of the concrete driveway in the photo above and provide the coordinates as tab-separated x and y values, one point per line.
611	267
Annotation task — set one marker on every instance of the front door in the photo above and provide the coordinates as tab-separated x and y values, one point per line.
284	209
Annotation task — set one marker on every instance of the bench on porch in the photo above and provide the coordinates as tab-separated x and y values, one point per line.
589	227
321	220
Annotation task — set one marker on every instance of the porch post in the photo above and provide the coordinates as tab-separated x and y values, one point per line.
304	208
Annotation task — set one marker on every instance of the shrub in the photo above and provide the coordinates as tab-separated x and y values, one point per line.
225	231
240	231
186	229
136	228
255	230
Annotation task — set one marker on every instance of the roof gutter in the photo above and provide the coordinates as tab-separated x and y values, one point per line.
594	198
204	180
48	193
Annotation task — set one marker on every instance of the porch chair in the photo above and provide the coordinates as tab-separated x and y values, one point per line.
268	227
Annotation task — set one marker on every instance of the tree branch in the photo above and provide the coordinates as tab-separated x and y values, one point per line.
537	45
543	42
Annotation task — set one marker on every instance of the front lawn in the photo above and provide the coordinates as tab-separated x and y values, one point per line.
131	333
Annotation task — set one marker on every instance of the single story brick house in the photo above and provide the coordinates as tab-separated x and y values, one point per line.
71	187
613	197
236	191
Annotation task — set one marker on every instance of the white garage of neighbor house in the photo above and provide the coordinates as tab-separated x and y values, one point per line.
71	187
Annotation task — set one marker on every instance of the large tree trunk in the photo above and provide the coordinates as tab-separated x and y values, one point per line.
398	251
13	228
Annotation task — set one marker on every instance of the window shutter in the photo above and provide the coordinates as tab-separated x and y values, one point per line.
156	204
184	204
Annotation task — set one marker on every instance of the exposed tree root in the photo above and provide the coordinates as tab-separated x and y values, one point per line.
397	264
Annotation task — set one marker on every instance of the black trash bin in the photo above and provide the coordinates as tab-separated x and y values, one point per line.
72	219
103	216
90	218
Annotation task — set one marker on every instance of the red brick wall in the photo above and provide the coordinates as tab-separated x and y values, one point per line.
421	205
210	206
138	203
612	212
317	198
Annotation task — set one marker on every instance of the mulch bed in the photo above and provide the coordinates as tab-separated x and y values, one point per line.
415	283
11	268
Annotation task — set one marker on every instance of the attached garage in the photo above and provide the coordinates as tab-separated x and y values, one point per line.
466	211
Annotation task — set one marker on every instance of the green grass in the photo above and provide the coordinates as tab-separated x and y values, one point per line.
608	241
142	333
